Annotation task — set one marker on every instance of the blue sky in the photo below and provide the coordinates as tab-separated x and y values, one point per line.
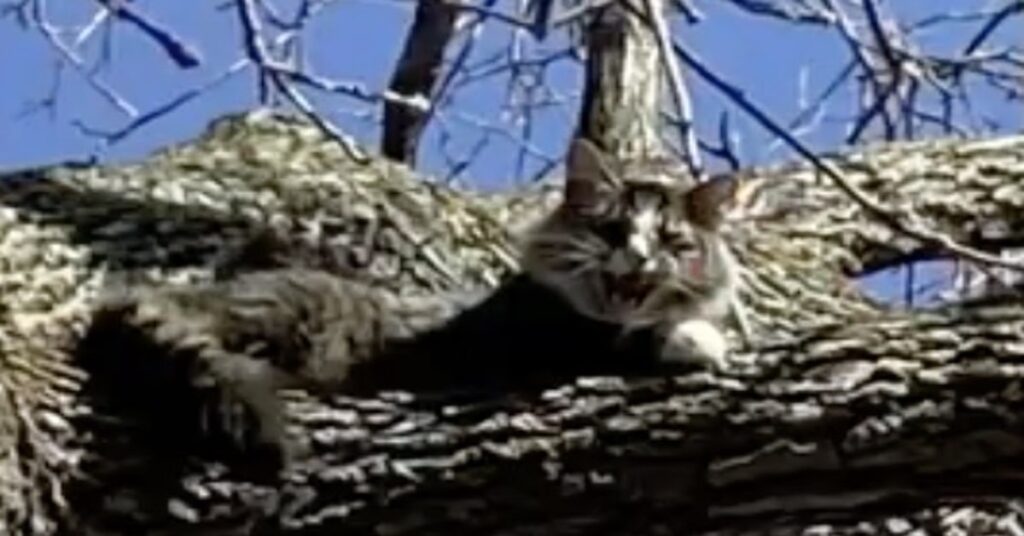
359	40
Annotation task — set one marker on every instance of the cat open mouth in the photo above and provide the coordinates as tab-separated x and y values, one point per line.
627	291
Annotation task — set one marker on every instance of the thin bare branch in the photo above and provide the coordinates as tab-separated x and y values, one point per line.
680	94
1012	8
541	11
498	131
113	137
40	20
881	37
486	10
176	48
908	224
353	90
256	50
101	17
787	10
48	102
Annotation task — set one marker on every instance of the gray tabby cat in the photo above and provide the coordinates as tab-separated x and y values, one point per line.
643	252
625	275
216	355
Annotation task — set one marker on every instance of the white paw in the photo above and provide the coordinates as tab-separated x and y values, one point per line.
695	341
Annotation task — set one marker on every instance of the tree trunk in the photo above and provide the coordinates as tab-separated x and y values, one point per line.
624	84
416	74
845	415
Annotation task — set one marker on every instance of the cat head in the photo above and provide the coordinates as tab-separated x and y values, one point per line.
616	241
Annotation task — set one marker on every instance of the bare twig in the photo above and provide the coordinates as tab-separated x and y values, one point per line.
791	11
256	50
579	11
486	10
1012	8
906	89
945	17
458	165
47	102
40	20
345	88
865	57
726	149
176	48
18	9
99	19
502	63
812	112
566	18
305	10
904	225
881	36
680	95
541	11
111	138
501	132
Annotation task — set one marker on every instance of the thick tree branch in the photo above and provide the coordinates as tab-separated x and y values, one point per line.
624	82
418	70
817	427
908	224
839	402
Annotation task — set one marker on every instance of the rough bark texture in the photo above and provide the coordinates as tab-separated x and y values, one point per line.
416	74
623	89
846	417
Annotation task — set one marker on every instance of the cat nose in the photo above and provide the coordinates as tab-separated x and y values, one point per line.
621	262
626	261
638	247
648	266
640	255
643	265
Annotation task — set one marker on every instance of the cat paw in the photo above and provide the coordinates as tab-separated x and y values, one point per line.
246	432
695	341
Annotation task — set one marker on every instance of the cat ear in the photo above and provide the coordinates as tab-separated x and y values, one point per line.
708	203
588	175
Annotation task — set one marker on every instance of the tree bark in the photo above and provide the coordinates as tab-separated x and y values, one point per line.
416	74
845	414
624	84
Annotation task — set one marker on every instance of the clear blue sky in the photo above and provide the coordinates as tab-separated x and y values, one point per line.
360	40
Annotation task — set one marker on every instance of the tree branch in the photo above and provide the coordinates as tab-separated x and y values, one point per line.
256	50
416	74
907	224
849	405
40	20
680	95
177	49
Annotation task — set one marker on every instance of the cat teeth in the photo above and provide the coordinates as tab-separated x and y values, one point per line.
621	301
626	292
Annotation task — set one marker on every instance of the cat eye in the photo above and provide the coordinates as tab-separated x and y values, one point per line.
678	241
684	246
613	232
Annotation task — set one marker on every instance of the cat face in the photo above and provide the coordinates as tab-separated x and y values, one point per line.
616	245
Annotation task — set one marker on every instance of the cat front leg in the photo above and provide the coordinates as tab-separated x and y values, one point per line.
696	341
247	410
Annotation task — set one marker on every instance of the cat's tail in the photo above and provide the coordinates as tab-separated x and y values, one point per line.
152	356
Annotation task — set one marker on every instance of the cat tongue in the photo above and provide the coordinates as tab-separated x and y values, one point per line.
693	267
633	286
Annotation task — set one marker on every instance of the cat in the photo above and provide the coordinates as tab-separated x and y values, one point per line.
642	252
625	275
217	354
